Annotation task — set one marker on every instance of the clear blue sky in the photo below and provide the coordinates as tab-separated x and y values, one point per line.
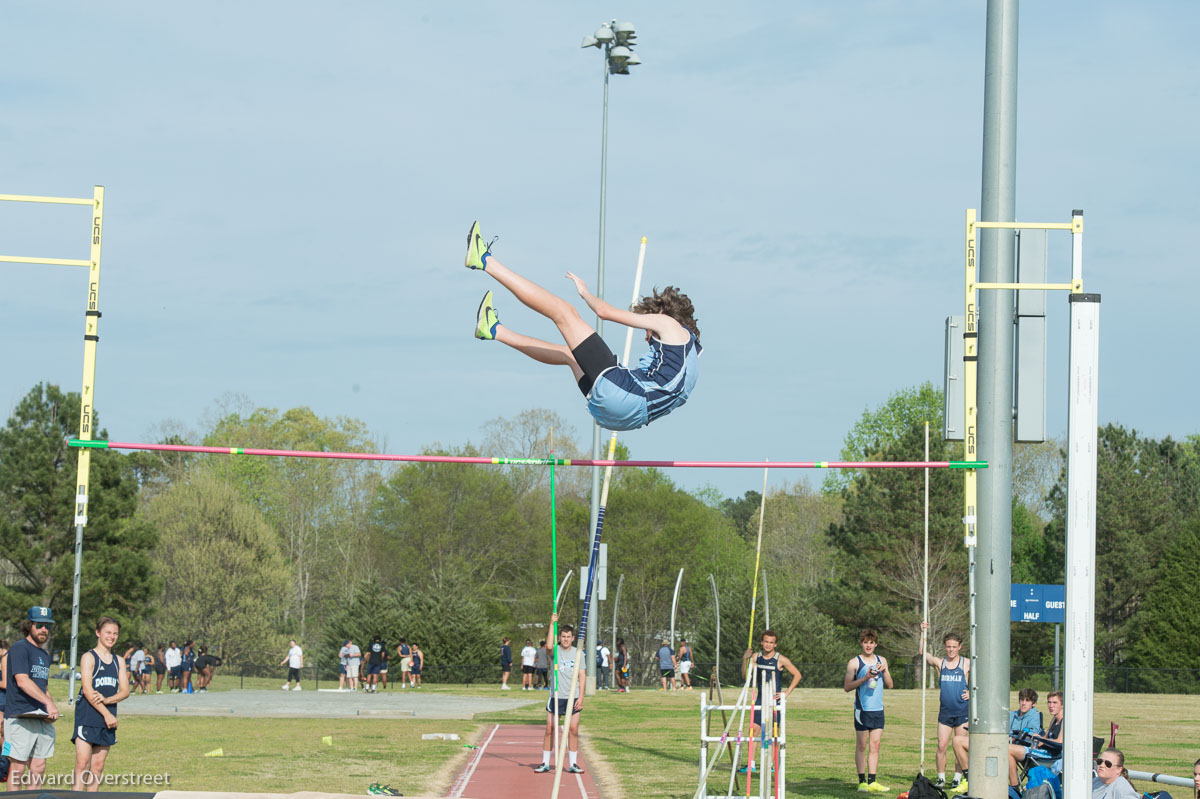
289	186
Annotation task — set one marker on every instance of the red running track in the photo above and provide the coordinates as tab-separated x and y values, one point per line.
503	768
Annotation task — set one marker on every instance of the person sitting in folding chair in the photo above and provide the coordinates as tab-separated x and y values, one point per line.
1038	749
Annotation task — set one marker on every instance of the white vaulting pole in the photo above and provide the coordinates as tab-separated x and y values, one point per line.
674	605
580	655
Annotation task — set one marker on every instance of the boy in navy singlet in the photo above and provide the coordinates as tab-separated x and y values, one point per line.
867	675
105	683
618	398
953	678
768	665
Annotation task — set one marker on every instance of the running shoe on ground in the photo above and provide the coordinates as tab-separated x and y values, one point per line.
940	783
574	770
379	789
958	788
862	788
486	320
543	768
875	787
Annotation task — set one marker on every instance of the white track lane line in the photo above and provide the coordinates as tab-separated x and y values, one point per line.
459	789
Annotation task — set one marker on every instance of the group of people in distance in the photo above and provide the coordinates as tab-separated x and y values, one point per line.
176	664
29	712
612	666
366	670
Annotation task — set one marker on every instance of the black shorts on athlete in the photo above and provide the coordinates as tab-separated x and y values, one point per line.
562	706
951	719
593	357
865	720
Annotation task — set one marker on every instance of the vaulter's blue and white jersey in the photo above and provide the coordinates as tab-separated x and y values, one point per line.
626	399
866	697
953	682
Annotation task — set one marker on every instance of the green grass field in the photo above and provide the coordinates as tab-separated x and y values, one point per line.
643	743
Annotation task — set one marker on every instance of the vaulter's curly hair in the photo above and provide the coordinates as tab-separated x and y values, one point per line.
672	302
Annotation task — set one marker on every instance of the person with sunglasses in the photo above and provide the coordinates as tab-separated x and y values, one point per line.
1111	781
29	712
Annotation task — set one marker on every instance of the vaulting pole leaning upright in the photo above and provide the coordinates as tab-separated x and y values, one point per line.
762	514
925	604
594	558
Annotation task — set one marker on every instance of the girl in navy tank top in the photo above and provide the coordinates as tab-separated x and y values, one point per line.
105	682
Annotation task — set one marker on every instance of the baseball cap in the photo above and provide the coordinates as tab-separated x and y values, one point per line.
40	614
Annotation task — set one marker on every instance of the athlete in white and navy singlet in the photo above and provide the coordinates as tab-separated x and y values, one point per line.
89	724
626	399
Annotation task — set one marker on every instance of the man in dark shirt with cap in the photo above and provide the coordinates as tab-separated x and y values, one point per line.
29	712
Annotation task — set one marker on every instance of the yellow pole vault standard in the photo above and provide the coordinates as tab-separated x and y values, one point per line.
970	433
971	386
580	646
91	336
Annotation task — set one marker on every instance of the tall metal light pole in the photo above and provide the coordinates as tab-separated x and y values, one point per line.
990	663
616	40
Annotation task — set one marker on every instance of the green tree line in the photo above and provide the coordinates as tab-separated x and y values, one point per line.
242	553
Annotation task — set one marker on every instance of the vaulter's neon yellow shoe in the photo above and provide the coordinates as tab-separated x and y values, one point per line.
486	319
476	248
875	787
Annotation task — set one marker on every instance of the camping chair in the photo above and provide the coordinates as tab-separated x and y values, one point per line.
1041	752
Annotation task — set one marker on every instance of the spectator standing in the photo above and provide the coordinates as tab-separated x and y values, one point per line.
685	664
29	713
160	668
376	652
147	670
867	675
3	683
666	665
343	664
528	656
541	668
622	667
505	663
405	653
137	664
353	664
295	661
418	663
769	666
953	678
605	667
383	671
187	663
105	682
174	660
